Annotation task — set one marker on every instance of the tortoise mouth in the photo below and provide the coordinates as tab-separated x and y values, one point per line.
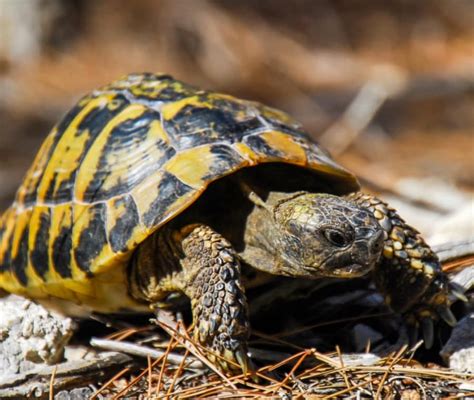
351	271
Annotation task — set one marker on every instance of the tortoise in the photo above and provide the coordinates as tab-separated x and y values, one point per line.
149	186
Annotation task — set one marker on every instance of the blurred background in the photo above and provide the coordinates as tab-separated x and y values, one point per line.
386	86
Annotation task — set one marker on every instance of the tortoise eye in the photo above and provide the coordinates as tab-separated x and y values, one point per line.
335	237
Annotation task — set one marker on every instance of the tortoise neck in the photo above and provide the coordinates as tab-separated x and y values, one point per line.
261	229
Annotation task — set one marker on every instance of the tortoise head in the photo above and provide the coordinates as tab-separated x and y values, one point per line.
325	235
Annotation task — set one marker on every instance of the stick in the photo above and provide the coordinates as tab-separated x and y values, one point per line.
141	351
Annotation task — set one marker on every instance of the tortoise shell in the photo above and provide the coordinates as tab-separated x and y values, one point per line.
122	162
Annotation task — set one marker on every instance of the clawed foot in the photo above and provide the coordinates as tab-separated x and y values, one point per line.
432	307
227	344
221	320
217	298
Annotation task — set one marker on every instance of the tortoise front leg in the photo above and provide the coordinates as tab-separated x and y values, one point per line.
203	265
211	279
409	273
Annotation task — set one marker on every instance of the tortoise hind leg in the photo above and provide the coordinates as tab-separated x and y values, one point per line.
204	266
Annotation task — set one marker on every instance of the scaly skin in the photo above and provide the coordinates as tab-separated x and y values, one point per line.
210	277
218	302
408	266
408	273
304	235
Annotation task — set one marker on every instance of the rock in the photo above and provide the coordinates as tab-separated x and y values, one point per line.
462	360
458	352
467	386
30	335
75	394
463	279
76	353
355	359
71	379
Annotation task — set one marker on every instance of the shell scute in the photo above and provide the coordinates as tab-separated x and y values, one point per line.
17	253
170	194
76	142
122	220
150	88
39	240
89	235
61	244
207	118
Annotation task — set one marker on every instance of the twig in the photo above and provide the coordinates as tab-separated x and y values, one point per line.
413	351
171	345
176	374
295	367
415	381
384	377
141	351
193	348
349	389
109	382
454	250
343	373
135	380
123	334
51	383
148	359
285	361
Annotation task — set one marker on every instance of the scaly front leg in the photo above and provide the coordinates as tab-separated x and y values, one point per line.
211	277
409	273
203	265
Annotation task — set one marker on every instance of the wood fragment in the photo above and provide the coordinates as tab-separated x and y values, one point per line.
51	383
68	375
140	351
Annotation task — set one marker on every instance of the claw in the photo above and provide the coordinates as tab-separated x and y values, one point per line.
242	359
246	364
446	314
459	295
456	290
428	331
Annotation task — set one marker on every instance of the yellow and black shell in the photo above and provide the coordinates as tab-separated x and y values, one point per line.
123	161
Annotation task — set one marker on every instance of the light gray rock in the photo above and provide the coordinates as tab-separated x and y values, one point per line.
462	360
355	359
75	394
458	352
464	279
30	335
35	383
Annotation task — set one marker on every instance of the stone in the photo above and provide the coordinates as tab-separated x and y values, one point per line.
458	352
30	335
75	394
355	359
